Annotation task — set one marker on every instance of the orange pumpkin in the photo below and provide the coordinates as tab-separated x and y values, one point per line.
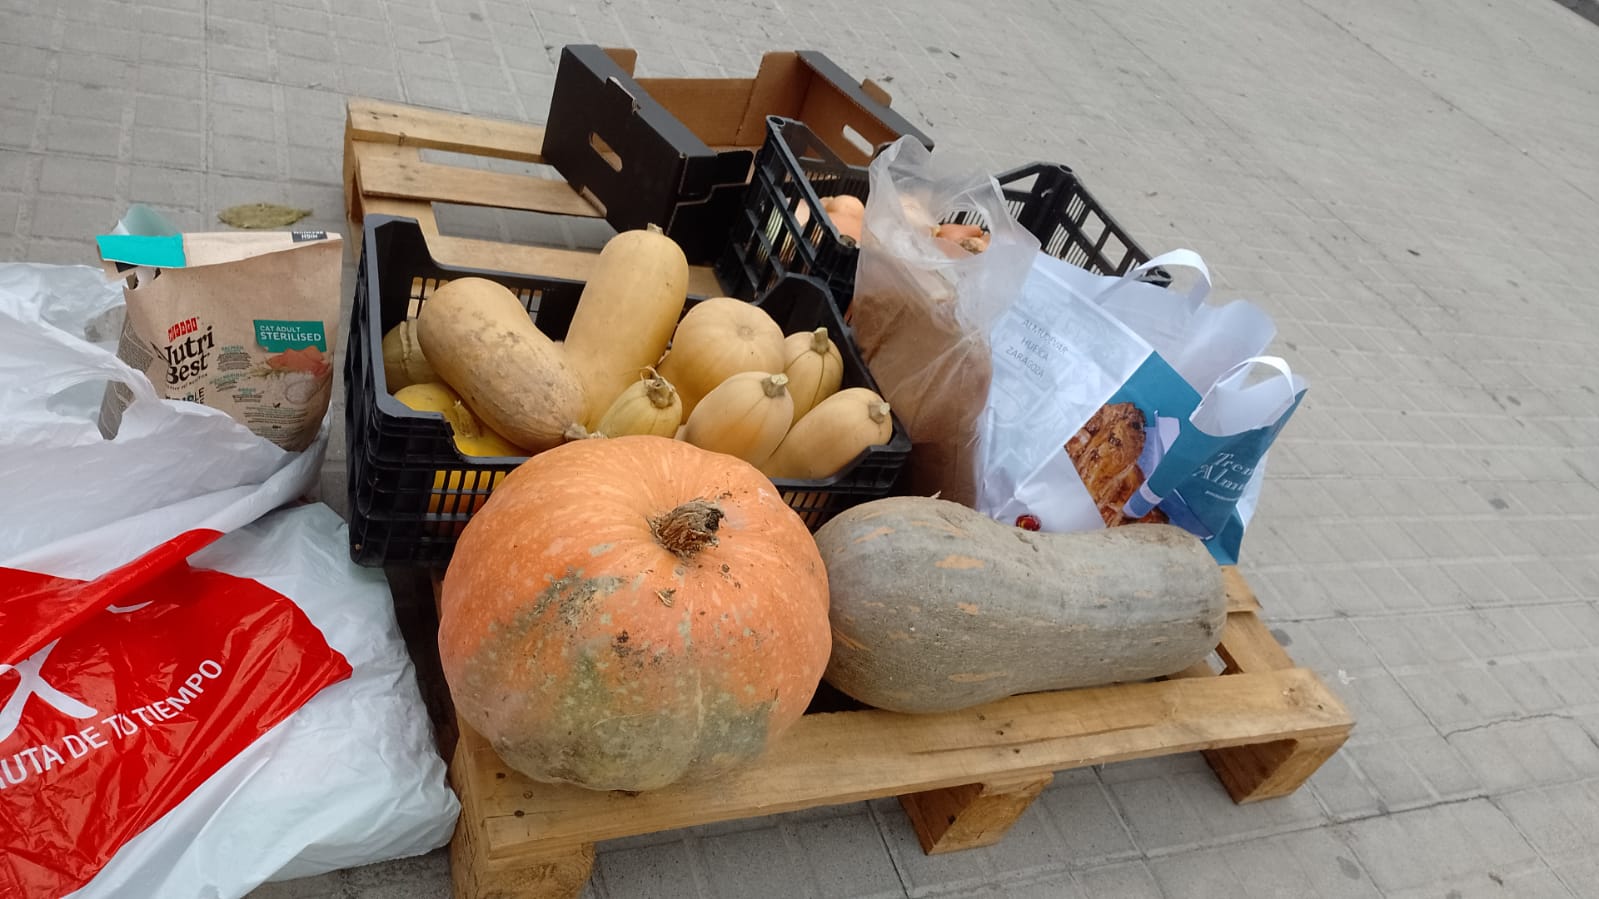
627	613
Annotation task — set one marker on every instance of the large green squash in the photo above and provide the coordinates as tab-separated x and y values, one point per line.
935	607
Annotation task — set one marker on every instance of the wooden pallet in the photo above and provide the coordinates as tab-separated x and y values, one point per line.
963	778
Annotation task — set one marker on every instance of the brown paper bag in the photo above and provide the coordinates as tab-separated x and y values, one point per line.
921	314
245	322
934	372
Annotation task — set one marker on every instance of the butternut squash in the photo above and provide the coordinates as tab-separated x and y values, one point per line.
745	416
848	215
404	363
717	339
649	406
831	436
936	607
814	367
625	315
480	339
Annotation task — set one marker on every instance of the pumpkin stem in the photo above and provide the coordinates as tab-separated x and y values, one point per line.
653	228
819	341
775	385
878	412
689	528
576	431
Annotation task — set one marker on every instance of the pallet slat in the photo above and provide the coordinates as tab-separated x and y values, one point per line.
551	262
390	170
1240	598
1248	646
829	759
377	121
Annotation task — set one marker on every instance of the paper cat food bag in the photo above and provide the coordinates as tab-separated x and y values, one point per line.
243	321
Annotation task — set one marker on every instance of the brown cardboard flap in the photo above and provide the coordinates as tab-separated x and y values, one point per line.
208	248
623	57
789	86
712	108
780	88
827	112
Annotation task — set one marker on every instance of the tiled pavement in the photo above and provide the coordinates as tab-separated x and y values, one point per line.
1410	187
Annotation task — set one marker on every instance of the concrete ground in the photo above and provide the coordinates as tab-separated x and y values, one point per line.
1409	186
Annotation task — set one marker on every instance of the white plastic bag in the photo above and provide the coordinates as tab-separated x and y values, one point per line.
349	778
102	498
1080	353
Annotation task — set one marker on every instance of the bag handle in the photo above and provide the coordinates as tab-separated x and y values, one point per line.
38	609
1173	259
1150	493
1277	362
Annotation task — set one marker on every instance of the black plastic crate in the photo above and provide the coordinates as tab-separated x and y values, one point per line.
676	152
411	493
795	170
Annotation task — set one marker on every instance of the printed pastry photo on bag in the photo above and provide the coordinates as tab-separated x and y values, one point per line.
244	322
1105	451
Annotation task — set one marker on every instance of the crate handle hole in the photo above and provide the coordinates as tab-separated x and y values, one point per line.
604	151
859	142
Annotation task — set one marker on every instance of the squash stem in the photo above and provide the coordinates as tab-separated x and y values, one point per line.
878	412
462	421
689	528
819	341
775	385
660	392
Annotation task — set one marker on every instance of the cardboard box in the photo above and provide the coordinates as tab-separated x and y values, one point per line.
678	152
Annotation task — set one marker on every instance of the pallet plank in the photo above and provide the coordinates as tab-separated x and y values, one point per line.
389	170
841	757
1247	645
550	262
1240	598
377	121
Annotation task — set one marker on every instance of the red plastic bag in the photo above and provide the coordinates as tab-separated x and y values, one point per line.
151	678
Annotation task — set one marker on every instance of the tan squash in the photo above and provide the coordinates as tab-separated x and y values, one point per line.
650	406
815	368
745	416
718	339
480	339
626	315
848	215
831	436
404	363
